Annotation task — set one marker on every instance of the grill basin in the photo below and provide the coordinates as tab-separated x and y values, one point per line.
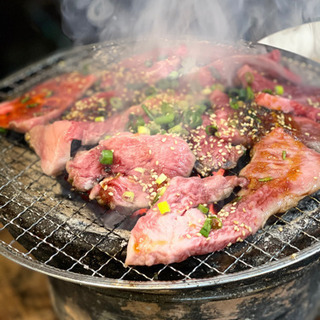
64	236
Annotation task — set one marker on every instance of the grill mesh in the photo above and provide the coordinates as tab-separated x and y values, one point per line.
62	231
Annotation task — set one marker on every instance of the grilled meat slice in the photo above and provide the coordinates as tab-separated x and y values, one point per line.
282	172
174	236
287	106
160	154
44	102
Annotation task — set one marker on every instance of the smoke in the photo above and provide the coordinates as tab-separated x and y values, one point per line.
88	21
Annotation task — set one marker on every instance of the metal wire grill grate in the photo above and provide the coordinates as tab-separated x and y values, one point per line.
63	231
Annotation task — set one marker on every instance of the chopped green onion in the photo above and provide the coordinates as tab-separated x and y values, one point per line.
206	228
234	104
218	86
161	178
148	113
128	196
250	94
99	119
148	63
49	93
162	191
164	207
143	130
150	91
106	157
164	119
203	208
32	105
267	91
25	99
211	222
3	130
279	90
116	102
178	130
174	75
211	130
265	179
284	155
248	76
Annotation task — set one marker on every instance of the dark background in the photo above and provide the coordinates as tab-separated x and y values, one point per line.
29	30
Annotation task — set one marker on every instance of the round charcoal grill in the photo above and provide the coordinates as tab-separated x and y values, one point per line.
273	274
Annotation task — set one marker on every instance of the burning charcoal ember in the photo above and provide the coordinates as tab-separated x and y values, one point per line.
287	106
45	102
169	232
162	154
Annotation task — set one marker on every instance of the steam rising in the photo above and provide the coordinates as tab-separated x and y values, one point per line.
87	21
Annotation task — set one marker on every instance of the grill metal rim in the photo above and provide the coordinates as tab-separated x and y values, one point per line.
164	285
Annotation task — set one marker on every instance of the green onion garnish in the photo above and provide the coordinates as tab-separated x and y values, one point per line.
265	179
147	111
248	76
25	99
211	222
279	90
250	94
203	208
164	119
106	157
234	105
164	207
267	91
206	228
211	130
116	102
178	130
32	105
284	155
174	75
3	130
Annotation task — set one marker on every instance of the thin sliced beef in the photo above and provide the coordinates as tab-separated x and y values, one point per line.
174	236
160	153
44	102
287	106
52	143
